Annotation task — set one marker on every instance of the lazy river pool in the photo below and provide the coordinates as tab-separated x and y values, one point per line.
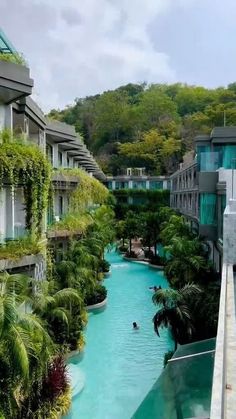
120	365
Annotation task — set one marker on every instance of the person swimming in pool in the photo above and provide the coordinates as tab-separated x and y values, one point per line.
135	326
154	288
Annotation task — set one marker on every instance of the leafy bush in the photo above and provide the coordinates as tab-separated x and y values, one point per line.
16	249
96	296
13	58
105	265
57	380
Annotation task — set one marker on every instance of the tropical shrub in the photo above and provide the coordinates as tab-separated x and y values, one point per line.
56	381
97	295
13	58
105	265
175	312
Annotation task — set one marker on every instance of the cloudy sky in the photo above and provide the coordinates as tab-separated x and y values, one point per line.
81	47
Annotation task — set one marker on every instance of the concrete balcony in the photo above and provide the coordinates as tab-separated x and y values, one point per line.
64	181
15	82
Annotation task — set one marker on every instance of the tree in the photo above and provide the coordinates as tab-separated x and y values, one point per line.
153	150
186	261
25	346
151	229
132	227
175	313
176	226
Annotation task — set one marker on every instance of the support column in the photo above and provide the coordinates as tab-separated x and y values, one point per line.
55	155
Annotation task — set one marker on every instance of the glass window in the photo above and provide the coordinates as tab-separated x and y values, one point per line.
49	153
229	156
60	205
208	208
156	184
122	185
59	158
201	149
139	184
209	161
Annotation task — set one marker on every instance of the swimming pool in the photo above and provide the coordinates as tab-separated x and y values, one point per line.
120	365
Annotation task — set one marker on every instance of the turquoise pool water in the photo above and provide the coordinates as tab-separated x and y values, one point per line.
120	365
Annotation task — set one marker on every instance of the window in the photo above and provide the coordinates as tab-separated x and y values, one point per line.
60	206
60	158
208	208
229	157
139	185
156	185
49	153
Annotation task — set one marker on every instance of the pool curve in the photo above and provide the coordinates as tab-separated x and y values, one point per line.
120	365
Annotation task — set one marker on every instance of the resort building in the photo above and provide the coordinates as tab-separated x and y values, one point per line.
135	187
204	191
58	141
136	178
201	188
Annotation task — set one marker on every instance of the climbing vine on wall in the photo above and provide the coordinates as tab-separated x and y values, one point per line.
89	191
23	164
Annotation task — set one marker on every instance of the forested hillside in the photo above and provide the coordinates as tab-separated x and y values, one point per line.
148	126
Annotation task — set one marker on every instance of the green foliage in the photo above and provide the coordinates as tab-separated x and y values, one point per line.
153	151
25	347
97	295
177	112
13	58
24	165
174	312
16	249
144	200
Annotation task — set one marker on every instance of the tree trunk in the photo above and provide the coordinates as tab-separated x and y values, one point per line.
130	245
123	241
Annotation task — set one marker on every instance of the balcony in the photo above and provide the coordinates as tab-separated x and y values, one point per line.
15	82
183	390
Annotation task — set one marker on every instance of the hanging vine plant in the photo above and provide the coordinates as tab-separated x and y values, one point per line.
88	192
23	164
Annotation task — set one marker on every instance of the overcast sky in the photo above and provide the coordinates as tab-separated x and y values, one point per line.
82	47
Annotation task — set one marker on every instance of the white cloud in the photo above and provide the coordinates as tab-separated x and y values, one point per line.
81	47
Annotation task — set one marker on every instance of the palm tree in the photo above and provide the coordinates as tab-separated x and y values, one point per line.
174	312
175	227
57	306
25	346
186	260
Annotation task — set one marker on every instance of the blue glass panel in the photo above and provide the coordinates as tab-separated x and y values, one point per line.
156	185
139	184
229	156
208	208
209	161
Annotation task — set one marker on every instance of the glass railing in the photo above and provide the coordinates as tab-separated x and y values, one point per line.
184	388
210	161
